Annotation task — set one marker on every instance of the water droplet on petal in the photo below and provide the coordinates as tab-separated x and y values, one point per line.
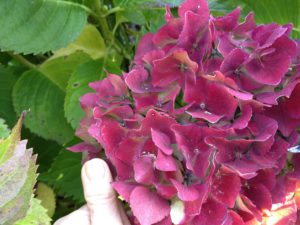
159	104
202	105
122	123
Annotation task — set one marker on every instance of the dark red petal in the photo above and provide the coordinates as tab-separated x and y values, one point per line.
236	218
220	190
145	45
260	196
228	22
212	213
176	66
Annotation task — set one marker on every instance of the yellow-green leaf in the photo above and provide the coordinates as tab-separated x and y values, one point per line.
89	41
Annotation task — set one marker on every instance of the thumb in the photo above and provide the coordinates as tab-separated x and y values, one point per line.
99	195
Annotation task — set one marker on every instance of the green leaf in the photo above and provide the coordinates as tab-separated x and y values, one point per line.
64	175
133	15
89	41
45	101
112	63
77	87
4	131
8	145
220	8
47	197
155	18
37	26
270	11
7	81
17	177
59	70
36	215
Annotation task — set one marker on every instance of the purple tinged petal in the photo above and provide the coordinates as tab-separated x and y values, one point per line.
273	97
176	66
136	80
195	37
247	26
233	61
81	147
88	102
228	22
271	68
168	34
266	35
199	7
145	45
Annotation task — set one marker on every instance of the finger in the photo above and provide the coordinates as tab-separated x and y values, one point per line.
80	216
99	194
124	217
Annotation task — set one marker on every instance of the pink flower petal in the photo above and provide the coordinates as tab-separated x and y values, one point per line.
147	206
162	141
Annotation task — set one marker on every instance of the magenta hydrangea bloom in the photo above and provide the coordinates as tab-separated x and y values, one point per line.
198	131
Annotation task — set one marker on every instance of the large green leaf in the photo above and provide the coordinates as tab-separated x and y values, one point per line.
155	18
17	179
269	11
4	131
7	81
45	101
35	26
64	175
89	41
77	87
36	215
59	70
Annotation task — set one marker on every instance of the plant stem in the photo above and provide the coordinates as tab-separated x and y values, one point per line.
105	30
113	10
22	60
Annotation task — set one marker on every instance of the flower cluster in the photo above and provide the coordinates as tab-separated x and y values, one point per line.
198	131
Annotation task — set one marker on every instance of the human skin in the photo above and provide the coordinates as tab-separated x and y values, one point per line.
102	206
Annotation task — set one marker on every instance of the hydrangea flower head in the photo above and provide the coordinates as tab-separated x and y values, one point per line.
198	131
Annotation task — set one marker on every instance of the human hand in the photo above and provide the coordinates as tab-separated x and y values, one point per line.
102	207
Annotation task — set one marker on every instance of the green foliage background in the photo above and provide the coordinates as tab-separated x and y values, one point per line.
52	49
